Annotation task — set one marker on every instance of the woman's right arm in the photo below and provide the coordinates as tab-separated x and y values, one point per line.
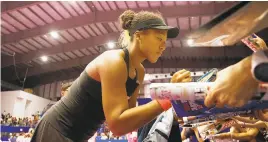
121	119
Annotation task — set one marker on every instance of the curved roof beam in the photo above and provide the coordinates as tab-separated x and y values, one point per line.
198	52
183	63
7	6
79	44
111	16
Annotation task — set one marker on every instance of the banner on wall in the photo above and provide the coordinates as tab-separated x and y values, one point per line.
12	129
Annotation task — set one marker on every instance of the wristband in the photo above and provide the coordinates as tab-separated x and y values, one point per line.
165	104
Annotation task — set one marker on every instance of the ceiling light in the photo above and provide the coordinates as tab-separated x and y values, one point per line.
111	45
54	34
72	2
190	41
44	58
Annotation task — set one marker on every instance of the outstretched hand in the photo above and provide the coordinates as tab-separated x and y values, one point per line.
234	86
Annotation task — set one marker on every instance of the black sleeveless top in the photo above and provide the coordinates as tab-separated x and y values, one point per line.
79	114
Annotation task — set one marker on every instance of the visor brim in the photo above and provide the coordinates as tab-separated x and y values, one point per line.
173	32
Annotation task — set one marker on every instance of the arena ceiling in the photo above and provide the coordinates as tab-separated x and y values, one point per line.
71	34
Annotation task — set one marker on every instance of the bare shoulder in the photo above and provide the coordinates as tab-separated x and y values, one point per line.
112	61
111	57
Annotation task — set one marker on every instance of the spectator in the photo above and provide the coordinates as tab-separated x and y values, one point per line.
9	120
20	122
3	115
13	137
65	88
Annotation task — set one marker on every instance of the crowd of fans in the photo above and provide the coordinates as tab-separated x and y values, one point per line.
104	133
8	120
19	137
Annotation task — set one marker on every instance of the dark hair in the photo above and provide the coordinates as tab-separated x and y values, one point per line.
129	19
126	19
65	86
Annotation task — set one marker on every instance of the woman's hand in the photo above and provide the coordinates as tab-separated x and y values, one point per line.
181	76
234	86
